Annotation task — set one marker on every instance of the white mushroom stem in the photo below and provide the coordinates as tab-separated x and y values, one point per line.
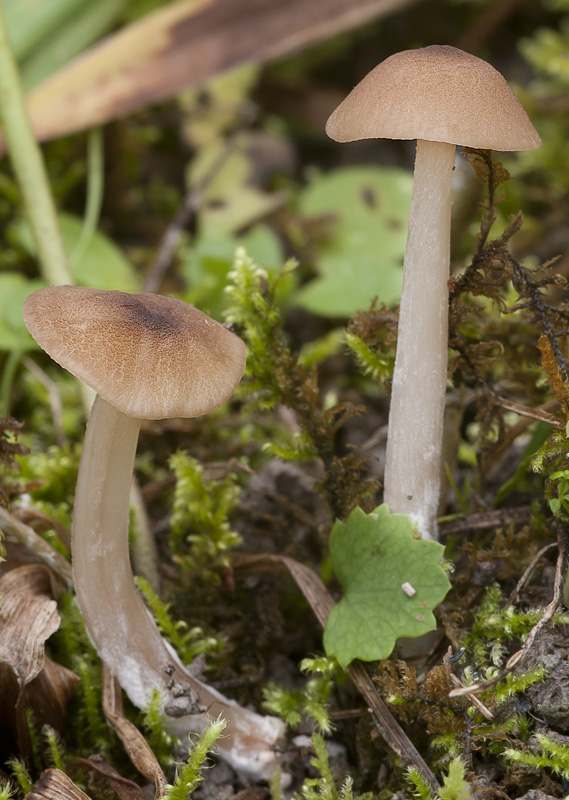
414	440
117	621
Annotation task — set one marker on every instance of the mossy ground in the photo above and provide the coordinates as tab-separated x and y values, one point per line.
303	442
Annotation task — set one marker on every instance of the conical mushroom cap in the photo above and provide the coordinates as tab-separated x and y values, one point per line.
150	356
437	93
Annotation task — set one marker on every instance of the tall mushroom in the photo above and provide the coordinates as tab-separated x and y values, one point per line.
147	357
442	97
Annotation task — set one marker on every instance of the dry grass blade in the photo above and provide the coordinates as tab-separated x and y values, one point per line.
55	785
321	603
185	44
136	746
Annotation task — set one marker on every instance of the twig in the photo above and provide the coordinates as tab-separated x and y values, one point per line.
36	545
541	413
492	18
186	212
486	519
528	573
29	514
486	713
54	397
516	430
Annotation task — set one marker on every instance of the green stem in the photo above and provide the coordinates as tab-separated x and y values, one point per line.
95	184
29	167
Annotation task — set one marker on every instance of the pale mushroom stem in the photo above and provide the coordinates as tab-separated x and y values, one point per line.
414	440
117	621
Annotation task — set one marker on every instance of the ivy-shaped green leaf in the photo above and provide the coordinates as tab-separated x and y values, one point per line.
391	581
361	255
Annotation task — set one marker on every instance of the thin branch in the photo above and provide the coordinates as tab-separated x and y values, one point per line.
43	551
187	211
54	397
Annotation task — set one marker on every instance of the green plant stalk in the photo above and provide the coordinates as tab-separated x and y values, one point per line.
29	167
95	187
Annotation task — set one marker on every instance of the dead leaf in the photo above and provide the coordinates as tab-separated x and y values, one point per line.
184	44
28	617
55	785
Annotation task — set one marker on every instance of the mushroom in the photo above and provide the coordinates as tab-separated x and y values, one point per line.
442	97
148	357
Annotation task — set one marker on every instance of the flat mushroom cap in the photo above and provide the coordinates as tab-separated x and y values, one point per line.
438	93
150	356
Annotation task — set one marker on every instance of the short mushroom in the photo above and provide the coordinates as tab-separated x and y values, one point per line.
442	97
148	357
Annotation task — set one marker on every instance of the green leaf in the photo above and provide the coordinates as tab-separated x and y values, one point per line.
14	289
31	21
361	255
82	25
555	505
349	282
210	258
455	785
102	264
376	558
232	198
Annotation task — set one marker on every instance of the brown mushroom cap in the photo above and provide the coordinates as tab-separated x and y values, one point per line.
150	356
437	93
